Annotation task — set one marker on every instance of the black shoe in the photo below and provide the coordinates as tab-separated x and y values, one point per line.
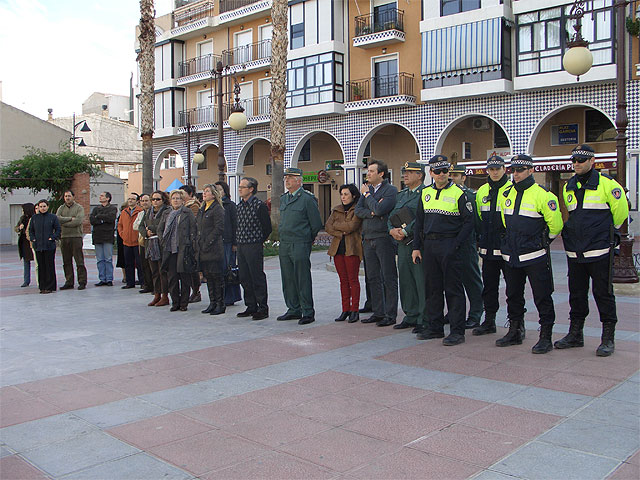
66	286
174	308
386	322
210	308
574	338
544	344
513	336
453	339
247	313
100	284
418	329
427	334
289	316
81	287
219	310
343	316
25	284
125	287
402	325
260	315
306	320
487	327
372	319
108	284
183	309
471	324
365	309
353	317
607	345
145	290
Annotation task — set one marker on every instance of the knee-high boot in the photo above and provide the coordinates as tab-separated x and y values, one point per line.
212	298
218	283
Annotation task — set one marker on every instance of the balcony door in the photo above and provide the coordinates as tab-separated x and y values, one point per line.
264	91
384	15
242	44
204	51
386	77
205	111
265	33
246	98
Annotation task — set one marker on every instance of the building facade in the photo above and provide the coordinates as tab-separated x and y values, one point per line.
395	80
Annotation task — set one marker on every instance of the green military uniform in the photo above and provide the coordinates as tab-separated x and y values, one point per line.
410	275
300	222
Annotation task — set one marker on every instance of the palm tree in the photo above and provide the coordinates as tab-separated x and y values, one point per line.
146	60
280	43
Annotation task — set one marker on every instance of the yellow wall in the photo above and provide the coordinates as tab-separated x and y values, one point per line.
395	146
134	183
481	141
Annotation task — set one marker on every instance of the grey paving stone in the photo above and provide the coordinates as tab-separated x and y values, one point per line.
139	467
481	389
427	379
559	463
5	452
81	452
380	346
288	371
183	397
236	384
546	401
26	436
117	413
490	475
371	368
626	392
634	378
611	412
607	440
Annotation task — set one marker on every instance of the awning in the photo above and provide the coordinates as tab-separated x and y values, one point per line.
547	164
461	49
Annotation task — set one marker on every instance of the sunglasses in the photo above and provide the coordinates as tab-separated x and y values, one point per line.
578	160
156	199
440	171
518	169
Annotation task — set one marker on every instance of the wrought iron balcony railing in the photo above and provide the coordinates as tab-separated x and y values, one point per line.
205	63
392	19
228	5
377	87
253	107
247	53
190	15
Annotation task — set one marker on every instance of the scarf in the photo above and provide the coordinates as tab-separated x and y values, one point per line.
524	184
494	187
171	231
348	206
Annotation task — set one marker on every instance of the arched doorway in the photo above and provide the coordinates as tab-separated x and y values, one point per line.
254	161
207	171
167	167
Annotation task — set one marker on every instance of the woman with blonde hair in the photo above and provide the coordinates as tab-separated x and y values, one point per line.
210	221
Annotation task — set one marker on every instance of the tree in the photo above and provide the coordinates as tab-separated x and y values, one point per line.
146	60
280	44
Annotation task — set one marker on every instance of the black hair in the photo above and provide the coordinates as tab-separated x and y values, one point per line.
188	189
136	195
46	202
381	166
253	183
352	188
70	191
28	209
225	188
108	195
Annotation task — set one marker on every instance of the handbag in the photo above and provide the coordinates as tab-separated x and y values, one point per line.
233	275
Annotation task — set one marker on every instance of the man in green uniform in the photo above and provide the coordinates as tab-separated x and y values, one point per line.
299	224
401	223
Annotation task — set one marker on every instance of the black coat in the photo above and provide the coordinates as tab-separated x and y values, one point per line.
44	230
24	246
103	220
187	231
210	233
230	221
151	223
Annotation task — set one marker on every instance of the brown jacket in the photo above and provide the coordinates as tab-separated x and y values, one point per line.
194	205
347	224
125	226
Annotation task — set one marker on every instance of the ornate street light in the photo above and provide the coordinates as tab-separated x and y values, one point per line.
85	128
577	59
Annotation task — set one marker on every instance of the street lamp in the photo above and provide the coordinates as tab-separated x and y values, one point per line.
576	62
85	128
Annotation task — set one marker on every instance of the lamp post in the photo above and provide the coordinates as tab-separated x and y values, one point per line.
577	62
85	128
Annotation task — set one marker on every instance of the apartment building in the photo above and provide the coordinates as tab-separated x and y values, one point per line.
396	80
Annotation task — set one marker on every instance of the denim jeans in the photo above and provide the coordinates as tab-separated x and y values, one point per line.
104	251
27	271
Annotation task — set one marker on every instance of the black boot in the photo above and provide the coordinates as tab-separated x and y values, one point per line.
607	346
513	336
343	316
574	338
488	326
353	317
212	299
544	344
218	285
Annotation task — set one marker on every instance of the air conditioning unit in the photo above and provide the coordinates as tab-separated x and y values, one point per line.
481	123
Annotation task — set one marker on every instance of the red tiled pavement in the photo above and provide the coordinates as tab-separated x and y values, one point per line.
511	421
228	411
576	383
330	382
443	406
395	426
626	471
233	358
283	395
117	372
20	411
151	382
15	468
334	409
90	396
384	393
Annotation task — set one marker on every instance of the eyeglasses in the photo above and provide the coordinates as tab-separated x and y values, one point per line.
518	169
242	186
156	199
440	171
578	160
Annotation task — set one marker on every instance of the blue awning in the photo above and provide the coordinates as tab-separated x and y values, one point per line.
176	184
461	49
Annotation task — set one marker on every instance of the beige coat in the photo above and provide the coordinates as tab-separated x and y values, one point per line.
341	223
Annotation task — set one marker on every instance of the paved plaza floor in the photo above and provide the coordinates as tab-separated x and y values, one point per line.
96	385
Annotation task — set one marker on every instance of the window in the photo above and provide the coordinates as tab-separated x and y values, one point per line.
315	79
466	150
450	7
248	159
598	128
384	17
169	161
500	139
305	153
296	26
386	78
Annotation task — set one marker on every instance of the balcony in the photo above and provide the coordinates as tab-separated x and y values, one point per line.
197	69
255	56
257	110
191	15
242	10
380	92
377	29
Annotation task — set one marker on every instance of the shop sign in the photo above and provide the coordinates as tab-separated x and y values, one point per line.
504	153
568	134
309	177
323	176
333	165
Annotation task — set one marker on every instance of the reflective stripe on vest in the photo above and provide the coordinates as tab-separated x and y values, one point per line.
445	204
589	254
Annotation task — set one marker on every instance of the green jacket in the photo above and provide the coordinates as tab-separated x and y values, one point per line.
409	199
71	228
299	217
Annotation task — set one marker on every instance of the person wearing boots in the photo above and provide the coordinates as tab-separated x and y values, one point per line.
192	202
149	230
444	220
489	235
597	208
210	221
532	219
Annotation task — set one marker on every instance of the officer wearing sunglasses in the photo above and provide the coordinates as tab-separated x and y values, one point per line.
532	219
597	209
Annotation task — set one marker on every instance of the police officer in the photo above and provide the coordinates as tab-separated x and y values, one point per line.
532	220
597	209
472	281
489	236
299	224
401	223
445	220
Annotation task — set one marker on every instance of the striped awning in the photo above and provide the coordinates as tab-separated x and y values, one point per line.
461	49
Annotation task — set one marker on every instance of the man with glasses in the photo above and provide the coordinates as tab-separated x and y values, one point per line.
130	240
103	222
532	219
444	221
597	209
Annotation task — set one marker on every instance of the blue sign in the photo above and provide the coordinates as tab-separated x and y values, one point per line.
568	134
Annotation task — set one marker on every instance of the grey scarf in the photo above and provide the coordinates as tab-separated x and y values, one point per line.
171	231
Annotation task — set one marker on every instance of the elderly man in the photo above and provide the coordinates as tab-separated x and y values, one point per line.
103	220
129	237
70	215
300	222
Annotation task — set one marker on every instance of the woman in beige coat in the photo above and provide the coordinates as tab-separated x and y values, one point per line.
346	249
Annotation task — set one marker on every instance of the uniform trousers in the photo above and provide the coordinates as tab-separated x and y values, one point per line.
382	274
472	280
46	269
71	249
412	290
295	269
541	281
491	269
179	282
443	272
348	268
252	276
579	275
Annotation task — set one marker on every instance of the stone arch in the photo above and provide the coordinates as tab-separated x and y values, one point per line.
243	153
369	135
158	162
296	151
451	125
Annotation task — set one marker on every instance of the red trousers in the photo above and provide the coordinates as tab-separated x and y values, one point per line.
348	267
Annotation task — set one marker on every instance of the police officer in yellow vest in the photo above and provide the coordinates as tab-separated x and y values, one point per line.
444	220
300	222
597	209
532	219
